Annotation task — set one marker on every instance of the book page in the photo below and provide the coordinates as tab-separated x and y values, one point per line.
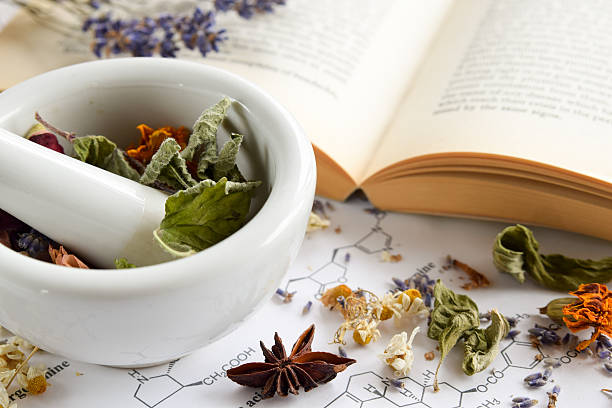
340	66
518	78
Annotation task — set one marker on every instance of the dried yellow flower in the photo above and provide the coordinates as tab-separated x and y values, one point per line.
316	223
366	331
386	256
34	381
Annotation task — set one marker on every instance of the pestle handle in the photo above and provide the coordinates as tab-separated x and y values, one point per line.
97	214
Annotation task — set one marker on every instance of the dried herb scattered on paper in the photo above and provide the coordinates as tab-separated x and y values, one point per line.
455	317
477	279
592	309
516	252
316	222
363	311
282	374
399	354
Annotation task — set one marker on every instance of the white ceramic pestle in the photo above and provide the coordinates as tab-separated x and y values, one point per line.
97	214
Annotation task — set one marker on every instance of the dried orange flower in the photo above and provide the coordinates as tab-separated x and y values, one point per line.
593	309
151	139
331	295
61	257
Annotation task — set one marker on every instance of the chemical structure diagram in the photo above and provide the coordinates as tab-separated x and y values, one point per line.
152	391
334	272
370	390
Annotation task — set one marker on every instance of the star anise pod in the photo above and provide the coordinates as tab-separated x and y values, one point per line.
281	374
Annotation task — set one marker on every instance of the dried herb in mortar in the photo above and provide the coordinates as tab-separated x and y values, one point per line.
210	197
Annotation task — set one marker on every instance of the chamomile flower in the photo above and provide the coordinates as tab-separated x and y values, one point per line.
5	375
315	222
399	354
4	399
366	331
20	343
416	307
34	380
11	355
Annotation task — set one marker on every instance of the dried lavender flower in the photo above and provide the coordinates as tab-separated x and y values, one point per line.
532	377
307	307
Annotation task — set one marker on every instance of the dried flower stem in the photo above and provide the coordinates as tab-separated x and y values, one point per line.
21	365
67	135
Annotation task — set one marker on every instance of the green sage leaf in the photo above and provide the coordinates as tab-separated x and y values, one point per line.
203	139
202	215
102	153
452	317
482	345
516	252
226	162
122	263
168	167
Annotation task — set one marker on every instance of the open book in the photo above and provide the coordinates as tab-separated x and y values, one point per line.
483	108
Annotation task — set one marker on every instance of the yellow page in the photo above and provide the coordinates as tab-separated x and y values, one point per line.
340	66
519	78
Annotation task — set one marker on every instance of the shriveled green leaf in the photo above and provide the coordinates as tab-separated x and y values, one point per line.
226	162
122	263
168	167
453	317
202	215
516	252
94	150
203	139
482	346
101	152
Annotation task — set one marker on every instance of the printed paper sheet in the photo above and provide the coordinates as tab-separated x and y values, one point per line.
349	252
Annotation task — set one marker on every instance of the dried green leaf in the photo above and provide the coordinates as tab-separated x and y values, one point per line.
203	139
122	263
516	253
482	345
168	167
453	317
226	162
202	215
101	152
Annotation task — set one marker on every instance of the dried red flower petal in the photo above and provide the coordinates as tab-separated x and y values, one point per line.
593	309
47	139
5	239
281	374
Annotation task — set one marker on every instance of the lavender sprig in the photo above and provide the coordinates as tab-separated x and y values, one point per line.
143	36
147	36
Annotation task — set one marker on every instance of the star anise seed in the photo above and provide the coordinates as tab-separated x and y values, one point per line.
281	374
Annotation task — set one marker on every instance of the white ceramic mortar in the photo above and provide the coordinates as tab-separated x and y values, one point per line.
156	313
